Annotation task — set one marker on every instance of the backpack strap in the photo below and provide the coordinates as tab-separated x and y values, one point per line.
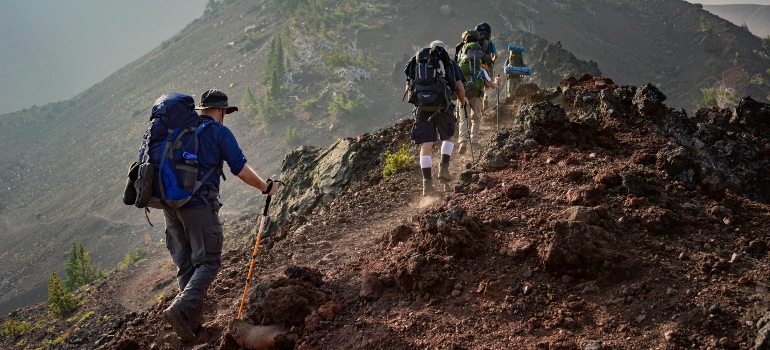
201	127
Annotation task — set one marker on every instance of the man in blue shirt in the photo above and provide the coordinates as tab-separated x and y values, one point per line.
193	232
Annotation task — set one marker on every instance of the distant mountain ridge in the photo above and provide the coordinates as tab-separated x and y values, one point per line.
755	17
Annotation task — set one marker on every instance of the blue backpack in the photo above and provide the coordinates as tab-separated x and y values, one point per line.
167	171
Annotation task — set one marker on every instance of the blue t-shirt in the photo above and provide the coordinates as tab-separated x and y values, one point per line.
216	144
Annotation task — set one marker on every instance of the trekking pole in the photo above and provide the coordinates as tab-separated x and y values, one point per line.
256	245
497	110
468	125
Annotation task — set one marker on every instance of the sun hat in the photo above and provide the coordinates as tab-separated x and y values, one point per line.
215	99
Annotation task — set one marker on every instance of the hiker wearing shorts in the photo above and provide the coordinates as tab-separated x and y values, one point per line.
194	232
431	126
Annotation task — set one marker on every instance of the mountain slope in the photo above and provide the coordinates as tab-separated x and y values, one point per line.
64	171
755	17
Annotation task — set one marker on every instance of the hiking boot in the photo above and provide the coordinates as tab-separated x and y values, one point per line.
443	173
463	146
427	188
178	321
196	319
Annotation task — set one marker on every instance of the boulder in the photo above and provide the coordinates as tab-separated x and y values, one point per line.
371	287
575	248
754	117
516	191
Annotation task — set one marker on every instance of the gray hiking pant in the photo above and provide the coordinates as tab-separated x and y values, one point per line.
194	239
513	81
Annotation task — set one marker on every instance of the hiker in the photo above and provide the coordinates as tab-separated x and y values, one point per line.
434	118
514	59
490	51
471	61
194	232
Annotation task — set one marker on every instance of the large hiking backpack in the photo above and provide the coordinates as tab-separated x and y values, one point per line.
167	171
428	86
471	63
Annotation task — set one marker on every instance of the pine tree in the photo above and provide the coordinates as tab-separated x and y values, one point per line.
249	102
274	90
80	268
275	61
60	302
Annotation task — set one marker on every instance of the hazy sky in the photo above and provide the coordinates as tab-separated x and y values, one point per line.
51	50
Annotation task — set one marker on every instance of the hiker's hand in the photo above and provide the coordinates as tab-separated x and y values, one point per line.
498	80
464	101
272	187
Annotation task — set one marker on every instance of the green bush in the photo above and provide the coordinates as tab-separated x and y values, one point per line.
60	302
709	96
133	256
292	137
309	103
80	269
344	108
248	102
396	162
757	79
14	328
269	111
714	96
339	57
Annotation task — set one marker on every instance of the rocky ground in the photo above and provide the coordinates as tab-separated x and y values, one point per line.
606	221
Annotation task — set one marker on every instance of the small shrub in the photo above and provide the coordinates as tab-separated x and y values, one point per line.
292	136
14	328
132	256
85	316
60	302
757	79
308	104
269	111
396	162
709	99
344	108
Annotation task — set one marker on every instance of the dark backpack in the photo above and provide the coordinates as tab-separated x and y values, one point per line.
485	33
427	78
167	170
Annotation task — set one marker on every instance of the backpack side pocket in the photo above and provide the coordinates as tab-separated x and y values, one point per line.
129	194
143	184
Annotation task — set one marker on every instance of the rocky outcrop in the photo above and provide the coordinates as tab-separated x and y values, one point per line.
715	149
315	176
